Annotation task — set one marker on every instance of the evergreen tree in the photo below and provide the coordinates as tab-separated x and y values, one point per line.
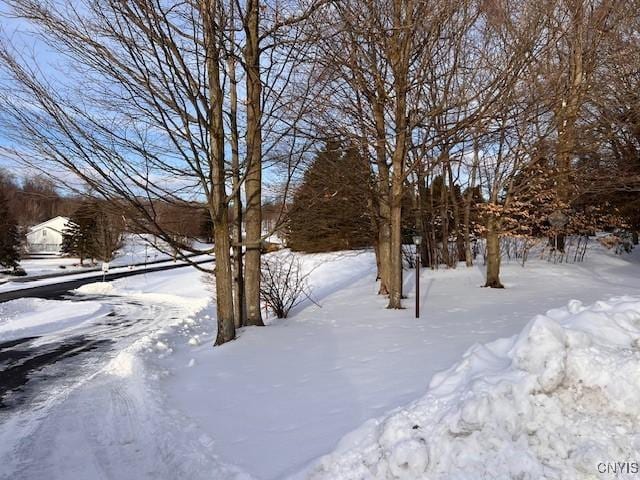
9	235
330	210
79	237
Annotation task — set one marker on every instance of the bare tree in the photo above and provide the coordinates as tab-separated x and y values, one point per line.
372	66
581	27
157	105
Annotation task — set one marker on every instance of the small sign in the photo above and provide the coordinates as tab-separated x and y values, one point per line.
105	267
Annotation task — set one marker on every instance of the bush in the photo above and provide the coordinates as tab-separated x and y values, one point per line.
283	283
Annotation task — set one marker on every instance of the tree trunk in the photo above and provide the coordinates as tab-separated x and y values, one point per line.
374	210
468	254
384	251
397	190
383	213
400	52
253	182
376	252
421	198
569	110
239	308
457	222
395	275
444	215
217	196
434	257
224	289
493	254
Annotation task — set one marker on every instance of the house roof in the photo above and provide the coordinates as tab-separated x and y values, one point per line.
55	223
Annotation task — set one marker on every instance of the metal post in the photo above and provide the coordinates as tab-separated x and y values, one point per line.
417	281
417	241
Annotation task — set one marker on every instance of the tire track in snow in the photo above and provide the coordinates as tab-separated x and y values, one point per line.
110	422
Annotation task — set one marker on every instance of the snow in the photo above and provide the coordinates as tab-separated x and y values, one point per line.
125	364
26	317
136	249
271	404
112	420
554	401
185	288
280	397
54	264
97	288
17	285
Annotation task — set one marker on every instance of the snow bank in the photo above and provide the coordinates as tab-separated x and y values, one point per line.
35	316
557	401
97	288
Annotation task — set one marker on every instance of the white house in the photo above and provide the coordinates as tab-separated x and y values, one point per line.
46	236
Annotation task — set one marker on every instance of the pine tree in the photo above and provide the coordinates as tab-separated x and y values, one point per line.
79	237
9	236
330	210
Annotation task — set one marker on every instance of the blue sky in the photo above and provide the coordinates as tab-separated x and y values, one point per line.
21	36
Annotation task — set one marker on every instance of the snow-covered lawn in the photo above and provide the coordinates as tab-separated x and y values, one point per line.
281	396
272	403
136	249
557	401
54	264
9	285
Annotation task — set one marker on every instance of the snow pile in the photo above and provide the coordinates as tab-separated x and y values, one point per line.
97	288
557	401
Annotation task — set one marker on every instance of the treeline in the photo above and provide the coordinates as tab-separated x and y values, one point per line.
455	119
530	105
34	199
332	210
96	226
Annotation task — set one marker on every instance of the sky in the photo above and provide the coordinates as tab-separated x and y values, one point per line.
21	36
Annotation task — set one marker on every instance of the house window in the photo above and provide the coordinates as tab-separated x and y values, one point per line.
44	233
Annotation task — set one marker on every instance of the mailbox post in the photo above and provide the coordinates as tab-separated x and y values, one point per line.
105	270
417	240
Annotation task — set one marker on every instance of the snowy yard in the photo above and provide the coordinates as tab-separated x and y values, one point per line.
163	404
54	264
134	250
131	257
198	147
